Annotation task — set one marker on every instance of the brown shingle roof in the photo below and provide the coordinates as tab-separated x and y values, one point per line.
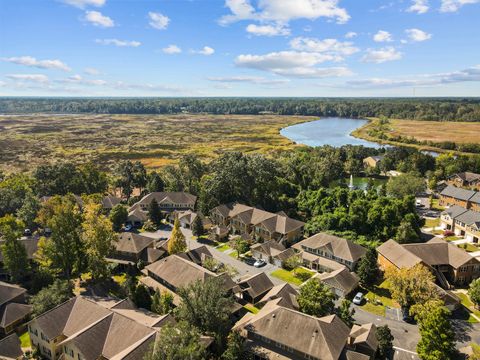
364	334
14	312
8	292
398	255
10	347
322	338
132	243
257	284
286	293
269	248
109	201
342	248
341	279
169	197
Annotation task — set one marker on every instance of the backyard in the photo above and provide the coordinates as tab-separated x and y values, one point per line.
378	298
295	277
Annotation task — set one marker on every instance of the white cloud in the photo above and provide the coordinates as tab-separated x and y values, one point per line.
455	5
77	79
119	43
419	6
382	55
249	79
284	11
158	20
206	50
84	3
292	63
417	35
37	78
350	35
98	19
172	49
268	30
337	49
382	36
466	75
91	71
33	62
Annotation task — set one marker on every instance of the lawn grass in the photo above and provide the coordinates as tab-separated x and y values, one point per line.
436	206
374	309
290	276
25	340
223	247
469	305
120	279
468	247
378	299
251	308
234	254
451	238
430	223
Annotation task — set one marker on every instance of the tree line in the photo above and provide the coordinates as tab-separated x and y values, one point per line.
441	109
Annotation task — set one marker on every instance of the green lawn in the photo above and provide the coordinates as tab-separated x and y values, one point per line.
374	309
378	299
436	206
290	276
430	223
451	238
25	340
234	254
468	247
223	247
251	308
468	304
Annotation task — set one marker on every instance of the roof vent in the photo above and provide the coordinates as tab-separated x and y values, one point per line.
273	316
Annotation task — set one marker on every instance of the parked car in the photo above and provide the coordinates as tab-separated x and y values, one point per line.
357	300
259	263
27	232
129	227
418	203
249	260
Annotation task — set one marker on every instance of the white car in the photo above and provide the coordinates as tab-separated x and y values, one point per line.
357	300
259	263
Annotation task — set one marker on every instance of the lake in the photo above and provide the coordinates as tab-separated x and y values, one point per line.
328	131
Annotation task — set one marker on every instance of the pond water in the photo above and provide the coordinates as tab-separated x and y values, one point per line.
328	131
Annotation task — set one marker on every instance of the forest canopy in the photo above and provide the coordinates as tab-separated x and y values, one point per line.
440	109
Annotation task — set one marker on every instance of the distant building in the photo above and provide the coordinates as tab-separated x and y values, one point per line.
130	248
342	281
243	219
466	180
13	308
272	252
372	161
453	195
462	222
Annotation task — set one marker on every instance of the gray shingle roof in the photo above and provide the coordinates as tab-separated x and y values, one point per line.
132	243
469	217
341	279
257	284
454	211
457	193
10	347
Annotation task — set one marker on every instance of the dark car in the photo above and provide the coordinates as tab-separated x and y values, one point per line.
27	232
249	261
128	228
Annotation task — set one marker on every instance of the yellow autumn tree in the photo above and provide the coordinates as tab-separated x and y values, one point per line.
177	242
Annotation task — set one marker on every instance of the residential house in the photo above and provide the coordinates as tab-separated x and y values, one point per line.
342	281
276	332
88	328
475	202
243	219
465	180
174	271
462	222
13	308
447	218
254	287
363	338
187	217
109	202
325	252
285	292
272	252
453	195
130	248
218	233
198	255
372	161
10	348
449	263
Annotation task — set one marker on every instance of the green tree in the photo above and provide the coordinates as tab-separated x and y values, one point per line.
367	268
316	298
197	226
118	217
51	296
235	347
98	238
155	183
474	291
14	253
125	177
346	312
206	305
162	302
410	286
177	242
385	342
154	212
405	185
437	336
475	355
178	341
28	212
293	262
406	233
241	246
142	298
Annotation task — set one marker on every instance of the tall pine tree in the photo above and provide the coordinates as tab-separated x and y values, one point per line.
177	242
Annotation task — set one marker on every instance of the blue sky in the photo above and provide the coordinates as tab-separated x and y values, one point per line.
239	48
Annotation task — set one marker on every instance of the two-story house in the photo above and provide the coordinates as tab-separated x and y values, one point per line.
462	222
324	252
243	219
453	195
86	328
13	308
130	248
277	332
466	180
